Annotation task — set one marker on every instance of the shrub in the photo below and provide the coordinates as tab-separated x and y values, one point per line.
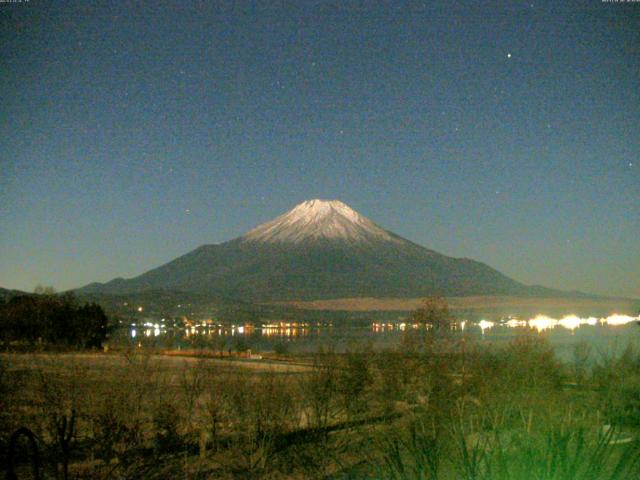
166	419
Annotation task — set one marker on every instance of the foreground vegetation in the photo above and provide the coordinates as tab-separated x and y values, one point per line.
439	406
435	408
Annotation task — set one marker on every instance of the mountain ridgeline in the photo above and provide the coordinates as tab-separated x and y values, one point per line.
320	250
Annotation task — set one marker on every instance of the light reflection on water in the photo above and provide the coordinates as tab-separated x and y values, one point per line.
570	322
293	330
607	334
539	323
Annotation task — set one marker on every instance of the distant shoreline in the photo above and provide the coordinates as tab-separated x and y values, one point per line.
618	305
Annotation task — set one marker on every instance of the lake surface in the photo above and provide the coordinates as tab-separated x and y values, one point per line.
605	335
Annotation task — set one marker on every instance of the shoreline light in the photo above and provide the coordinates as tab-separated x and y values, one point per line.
571	322
485	324
616	319
542	322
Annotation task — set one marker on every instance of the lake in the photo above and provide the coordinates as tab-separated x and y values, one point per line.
606	335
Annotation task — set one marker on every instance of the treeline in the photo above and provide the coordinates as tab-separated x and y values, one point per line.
52	319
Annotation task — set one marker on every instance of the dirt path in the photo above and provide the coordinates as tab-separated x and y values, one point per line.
101	360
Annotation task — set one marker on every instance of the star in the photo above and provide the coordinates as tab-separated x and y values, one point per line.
508	55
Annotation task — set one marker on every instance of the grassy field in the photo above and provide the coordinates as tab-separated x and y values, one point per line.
434	408
431	409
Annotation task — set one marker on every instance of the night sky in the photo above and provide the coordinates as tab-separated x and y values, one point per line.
133	132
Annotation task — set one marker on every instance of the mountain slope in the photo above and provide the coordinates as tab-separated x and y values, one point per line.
6	294
320	250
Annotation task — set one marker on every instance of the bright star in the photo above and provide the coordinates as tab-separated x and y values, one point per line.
508	55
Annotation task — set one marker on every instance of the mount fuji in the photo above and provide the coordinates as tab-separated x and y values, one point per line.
321	249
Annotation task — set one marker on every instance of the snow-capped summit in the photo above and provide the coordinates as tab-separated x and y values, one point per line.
319	219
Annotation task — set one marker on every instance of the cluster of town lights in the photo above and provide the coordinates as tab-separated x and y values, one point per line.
570	322
209	327
539	323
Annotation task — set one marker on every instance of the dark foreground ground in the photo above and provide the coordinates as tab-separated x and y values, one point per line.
430	409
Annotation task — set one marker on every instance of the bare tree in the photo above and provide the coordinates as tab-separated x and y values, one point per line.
431	321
